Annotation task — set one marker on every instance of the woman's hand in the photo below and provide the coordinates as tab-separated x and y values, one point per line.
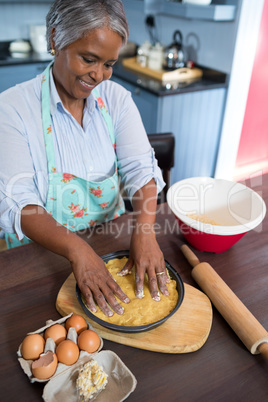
145	253
95	282
148	259
92	276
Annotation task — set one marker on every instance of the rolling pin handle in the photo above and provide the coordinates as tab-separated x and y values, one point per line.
244	324
263	349
190	256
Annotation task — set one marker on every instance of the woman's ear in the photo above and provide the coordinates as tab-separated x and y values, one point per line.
52	43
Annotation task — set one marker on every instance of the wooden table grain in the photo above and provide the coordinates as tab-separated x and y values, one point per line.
222	370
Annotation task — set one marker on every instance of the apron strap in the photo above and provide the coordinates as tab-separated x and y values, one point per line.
46	121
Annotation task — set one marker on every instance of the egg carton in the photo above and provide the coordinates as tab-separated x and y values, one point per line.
62	385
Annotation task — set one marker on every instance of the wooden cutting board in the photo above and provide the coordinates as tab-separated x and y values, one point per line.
186	331
180	74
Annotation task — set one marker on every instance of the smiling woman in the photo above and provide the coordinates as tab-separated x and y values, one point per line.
68	137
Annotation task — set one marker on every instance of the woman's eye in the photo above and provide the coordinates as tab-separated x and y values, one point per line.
87	60
107	65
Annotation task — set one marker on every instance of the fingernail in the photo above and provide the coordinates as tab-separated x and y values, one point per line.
122	273
126	300
110	313
165	293
157	297
140	294
121	310
93	309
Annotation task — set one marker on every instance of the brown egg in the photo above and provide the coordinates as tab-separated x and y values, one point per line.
32	346
89	341
45	366
76	321
67	352
57	332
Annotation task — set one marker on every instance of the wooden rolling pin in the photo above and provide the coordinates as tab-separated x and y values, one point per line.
240	319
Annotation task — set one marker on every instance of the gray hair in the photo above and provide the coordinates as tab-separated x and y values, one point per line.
72	19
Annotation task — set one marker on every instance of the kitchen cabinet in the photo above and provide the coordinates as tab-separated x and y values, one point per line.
146	102
195	120
218	10
12	75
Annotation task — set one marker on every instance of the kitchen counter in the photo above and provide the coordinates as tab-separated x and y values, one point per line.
222	370
211	79
6	58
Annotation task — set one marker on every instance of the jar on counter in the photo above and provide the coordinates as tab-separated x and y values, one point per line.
156	55
143	53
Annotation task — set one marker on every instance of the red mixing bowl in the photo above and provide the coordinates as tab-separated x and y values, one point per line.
213	214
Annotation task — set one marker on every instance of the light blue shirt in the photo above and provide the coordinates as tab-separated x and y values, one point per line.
85	151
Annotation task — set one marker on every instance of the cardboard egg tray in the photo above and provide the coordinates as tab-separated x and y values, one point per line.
62	385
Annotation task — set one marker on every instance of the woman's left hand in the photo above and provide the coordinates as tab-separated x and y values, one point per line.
146	256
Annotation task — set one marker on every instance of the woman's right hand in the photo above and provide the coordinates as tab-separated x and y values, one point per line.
95	282
92	276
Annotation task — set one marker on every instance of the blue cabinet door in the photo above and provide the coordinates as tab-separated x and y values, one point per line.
146	103
195	119
12	75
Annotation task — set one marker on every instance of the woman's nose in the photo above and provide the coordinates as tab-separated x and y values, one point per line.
97	73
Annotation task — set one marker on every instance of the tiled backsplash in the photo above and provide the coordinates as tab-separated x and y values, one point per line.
15	19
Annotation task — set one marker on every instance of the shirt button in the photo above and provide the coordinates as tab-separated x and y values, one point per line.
91	168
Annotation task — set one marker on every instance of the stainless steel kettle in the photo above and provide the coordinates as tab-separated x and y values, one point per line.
174	55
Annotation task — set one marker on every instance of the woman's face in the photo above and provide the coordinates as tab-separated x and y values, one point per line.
84	64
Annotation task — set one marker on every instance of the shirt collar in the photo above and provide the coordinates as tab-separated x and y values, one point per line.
91	101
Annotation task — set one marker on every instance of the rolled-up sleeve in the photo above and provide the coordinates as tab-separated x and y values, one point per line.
17	175
136	159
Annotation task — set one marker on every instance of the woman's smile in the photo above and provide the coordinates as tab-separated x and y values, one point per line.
87	85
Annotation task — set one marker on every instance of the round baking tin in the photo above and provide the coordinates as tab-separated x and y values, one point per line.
133	329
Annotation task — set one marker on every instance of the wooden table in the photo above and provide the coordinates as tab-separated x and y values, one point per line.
223	369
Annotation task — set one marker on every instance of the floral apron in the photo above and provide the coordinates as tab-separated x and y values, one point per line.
72	201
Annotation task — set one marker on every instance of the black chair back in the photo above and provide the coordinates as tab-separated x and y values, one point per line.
164	148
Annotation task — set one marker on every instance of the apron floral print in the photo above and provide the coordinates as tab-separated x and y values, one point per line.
74	202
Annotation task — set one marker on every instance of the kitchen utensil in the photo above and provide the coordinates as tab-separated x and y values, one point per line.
185	331
244	324
173	274
179	75
234	208
174	55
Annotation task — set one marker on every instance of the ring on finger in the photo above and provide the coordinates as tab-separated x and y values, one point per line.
160	273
